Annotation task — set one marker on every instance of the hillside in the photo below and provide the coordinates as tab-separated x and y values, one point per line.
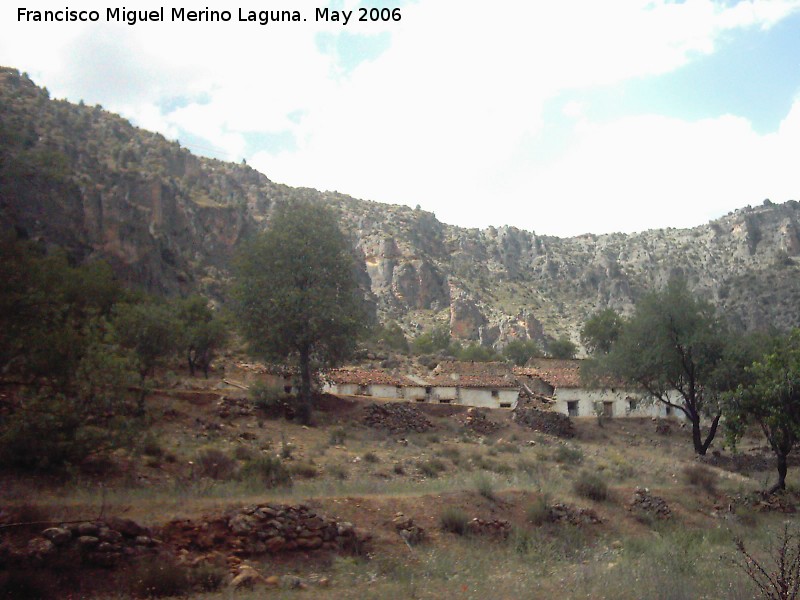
87	180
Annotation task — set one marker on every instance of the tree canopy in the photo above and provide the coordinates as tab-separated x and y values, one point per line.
296	293
770	397
563	347
601	330
674	344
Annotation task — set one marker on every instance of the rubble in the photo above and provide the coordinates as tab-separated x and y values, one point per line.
497	528
544	421
410	532
396	417
646	502
564	513
266	529
478	422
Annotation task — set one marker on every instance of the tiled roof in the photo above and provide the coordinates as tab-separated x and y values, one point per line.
559	373
365	377
473	374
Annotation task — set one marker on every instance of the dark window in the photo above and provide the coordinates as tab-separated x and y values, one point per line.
632	405
444	400
287	389
505	405
572	408
495	394
608	409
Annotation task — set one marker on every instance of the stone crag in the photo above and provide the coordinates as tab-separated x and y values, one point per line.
86	180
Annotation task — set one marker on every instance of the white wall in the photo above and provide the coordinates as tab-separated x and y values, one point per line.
386	391
414	393
482	397
444	392
647	406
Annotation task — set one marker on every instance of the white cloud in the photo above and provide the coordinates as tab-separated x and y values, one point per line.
447	115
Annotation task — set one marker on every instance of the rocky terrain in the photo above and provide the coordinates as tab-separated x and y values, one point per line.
86	180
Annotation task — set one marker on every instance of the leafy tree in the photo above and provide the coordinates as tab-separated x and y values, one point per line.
601	330
562	348
203	333
770	397
392	335
151	332
521	351
296	292
674	343
435	340
477	353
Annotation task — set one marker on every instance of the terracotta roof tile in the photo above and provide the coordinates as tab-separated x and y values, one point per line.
473	374
365	377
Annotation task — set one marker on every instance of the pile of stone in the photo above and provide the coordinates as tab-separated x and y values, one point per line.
408	530
478	422
228	407
496	528
663	427
396	417
644	501
101	543
564	513
266	529
544	421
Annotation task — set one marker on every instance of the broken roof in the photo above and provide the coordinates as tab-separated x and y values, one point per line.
558	373
365	377
473	374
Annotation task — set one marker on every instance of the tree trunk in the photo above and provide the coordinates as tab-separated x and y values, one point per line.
701	446
304	404
783	467
190	360
142	394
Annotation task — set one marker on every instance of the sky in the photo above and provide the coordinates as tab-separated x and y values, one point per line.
565	117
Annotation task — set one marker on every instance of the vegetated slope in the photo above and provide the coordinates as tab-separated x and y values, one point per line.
87	180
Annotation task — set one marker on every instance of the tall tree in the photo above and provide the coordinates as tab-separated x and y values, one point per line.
151	332
770	397
563	347
674	344
203	332
601	330
296	293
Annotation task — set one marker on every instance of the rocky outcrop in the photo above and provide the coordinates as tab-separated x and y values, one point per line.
86	180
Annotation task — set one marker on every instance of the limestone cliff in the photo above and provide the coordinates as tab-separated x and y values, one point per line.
81	178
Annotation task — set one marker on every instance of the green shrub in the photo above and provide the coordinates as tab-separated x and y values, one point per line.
568	455
591	486
158	577
399	469
539	513
454	520
371	457
270	399
151	445
701	477
304	470
269	469
508	448
485	486
337	471
208	578
431	467
337	437
215	464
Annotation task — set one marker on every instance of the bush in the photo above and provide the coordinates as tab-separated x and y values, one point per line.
568	455
160	578
269	469
539	513
208	578
270	399
304	470
337	471
701	477
454	520
431	467
337	437
591	486
485	486
371	457
215	464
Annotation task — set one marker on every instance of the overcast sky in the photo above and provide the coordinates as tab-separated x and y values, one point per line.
562	117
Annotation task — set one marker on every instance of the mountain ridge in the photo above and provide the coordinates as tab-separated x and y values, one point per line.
87	180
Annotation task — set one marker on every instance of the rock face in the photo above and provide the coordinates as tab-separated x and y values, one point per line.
86	180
